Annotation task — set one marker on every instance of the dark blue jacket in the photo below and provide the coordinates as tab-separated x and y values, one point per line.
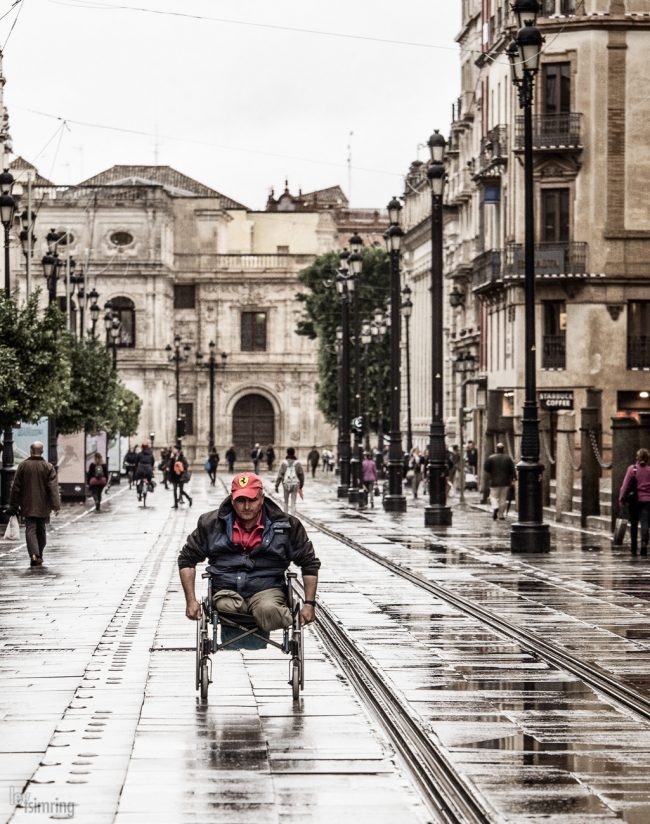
284	541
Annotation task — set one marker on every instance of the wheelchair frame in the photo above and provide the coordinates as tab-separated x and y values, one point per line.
207	643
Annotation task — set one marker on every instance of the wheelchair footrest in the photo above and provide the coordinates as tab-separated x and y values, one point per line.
254	641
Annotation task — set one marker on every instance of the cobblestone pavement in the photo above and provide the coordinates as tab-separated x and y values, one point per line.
89	717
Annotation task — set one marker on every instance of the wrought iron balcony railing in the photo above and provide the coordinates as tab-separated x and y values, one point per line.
494	149
487	267
551	131
638	352
550	259
553	352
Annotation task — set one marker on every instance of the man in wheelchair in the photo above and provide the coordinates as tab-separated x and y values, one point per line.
249	543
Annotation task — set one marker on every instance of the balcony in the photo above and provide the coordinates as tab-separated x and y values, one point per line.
552	132
553	352
494	152
638	352
487	267
550	259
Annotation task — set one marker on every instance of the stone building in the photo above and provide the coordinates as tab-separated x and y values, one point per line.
175	257
592	224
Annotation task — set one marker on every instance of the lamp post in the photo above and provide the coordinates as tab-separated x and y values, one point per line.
407	309
345	287
366	338
27	241
212	366
78	282
463	365
355	263
437	513
94	309
51	263
530	533
7	210
395	501
378	332
178	353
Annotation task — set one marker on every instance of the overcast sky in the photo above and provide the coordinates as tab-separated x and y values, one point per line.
239	105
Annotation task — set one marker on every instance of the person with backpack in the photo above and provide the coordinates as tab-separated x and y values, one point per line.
212	465
144	468
179	475
292	477
635	492
97	478
130	460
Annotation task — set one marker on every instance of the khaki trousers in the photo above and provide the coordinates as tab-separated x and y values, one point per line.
269	607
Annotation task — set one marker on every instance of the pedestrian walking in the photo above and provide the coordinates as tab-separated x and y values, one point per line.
179	475
213	465
270	458
327	460
501	471
635	493
313	460
453	462
34	495
144	469
97	478
163	466
231	457
471	457
416	469
256	457
369	476
129	463
292	477
249	542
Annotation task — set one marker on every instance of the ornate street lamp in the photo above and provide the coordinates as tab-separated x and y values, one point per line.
407	309
7	210
27	240
395	500
93	296
530	533
178	353
456	298
345	288
437	513
366	340
378	332
355	265
212	365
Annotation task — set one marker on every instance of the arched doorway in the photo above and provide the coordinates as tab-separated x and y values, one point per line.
253	422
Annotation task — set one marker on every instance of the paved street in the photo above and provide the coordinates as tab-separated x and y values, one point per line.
95	726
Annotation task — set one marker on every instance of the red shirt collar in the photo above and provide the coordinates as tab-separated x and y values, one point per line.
247	539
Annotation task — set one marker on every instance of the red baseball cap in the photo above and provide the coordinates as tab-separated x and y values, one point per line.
246	485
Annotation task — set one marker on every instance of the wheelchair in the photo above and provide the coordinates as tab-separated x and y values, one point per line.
217	631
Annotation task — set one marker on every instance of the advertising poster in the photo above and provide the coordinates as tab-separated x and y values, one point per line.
72	466
25	434
95	443
114	459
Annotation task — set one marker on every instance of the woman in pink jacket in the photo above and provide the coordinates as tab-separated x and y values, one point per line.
638	473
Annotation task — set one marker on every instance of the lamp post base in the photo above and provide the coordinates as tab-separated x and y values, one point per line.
342	491
395	503
353	495
530	537
436	515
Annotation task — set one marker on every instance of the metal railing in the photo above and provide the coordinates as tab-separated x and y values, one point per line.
553	352
638	352
551	131
487	267
494	148
550	258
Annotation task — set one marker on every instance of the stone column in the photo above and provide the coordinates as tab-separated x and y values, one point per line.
590	425
564	458
644	430
544	456
625	442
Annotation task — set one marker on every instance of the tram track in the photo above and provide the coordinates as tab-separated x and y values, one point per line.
589	673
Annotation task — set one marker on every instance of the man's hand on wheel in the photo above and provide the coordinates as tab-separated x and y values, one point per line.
193	611
307	614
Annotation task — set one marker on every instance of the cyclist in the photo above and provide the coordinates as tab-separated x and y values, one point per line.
144	468
130	460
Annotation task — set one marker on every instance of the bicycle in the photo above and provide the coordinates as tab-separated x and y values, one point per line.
142	487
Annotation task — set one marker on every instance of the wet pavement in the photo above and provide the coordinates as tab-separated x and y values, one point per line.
95	726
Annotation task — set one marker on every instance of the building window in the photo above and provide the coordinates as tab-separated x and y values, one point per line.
550	8
121	238
556	85
186	411
554	338
124	310
184	296
253	331
638	339
282	250
555	215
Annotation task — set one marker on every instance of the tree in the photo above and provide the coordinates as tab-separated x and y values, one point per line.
126	412
322	307
93	388
35	369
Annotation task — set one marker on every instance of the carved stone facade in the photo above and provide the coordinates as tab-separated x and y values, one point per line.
186	260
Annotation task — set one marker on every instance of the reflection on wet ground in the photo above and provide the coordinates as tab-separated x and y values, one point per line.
538	743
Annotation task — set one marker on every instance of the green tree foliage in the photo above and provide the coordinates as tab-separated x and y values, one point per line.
322	316
126	412
93	389
36	371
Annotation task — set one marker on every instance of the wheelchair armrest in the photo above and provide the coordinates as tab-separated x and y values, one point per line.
205	575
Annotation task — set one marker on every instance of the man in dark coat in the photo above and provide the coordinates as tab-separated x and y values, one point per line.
34	494
231	457
249	543
501	470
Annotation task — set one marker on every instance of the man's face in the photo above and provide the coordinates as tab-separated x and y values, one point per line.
248	509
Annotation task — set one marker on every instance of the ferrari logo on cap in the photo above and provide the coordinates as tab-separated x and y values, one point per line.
243	480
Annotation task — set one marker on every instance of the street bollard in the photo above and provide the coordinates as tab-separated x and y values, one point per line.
591	430
625	442
564	458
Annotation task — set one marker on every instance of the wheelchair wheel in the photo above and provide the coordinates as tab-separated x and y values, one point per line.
204	678
197	662
295	679
301	657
